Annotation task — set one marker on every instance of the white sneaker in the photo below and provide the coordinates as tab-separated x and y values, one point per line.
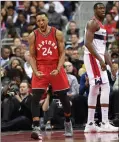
91	127
107	127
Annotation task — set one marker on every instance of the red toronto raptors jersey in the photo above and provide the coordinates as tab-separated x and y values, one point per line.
46	47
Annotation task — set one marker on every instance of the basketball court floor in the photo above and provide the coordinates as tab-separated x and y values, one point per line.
58	136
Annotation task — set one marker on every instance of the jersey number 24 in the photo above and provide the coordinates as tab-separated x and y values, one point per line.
46	51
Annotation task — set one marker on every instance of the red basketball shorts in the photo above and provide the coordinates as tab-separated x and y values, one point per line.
58	82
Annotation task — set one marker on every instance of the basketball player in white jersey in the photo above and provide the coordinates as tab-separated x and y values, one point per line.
95	56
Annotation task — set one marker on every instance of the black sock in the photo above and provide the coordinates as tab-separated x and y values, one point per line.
67	119
36	123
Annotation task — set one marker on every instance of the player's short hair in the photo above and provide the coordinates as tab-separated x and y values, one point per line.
42	13
95	5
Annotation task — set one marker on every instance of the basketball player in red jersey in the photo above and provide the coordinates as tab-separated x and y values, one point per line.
47	57
95	56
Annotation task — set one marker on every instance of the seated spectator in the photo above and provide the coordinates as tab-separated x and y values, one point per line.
17	51
11	31
18	106
71	30
41	6
73	82
5	55
70	68
69	50
75	59
11	12
25	39
25	77
67	58
17	42
15	76
74	41
21	22
33	10
12	64
114	56
113	48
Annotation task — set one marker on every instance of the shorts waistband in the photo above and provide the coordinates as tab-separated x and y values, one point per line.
47	62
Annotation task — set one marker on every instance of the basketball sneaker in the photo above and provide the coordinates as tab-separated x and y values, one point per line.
91	127
36	133
48	126
107	127
68	129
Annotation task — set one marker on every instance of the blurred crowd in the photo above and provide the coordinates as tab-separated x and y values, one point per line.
17	22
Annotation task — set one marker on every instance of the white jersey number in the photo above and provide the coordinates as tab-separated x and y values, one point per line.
47	51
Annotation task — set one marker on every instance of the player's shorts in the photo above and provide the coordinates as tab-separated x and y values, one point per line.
58	82
93	68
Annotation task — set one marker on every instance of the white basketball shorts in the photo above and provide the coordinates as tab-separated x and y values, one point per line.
94	72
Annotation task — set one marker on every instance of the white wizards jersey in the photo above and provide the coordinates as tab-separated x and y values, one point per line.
99	41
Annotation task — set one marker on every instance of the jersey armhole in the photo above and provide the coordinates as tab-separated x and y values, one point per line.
35	40
55	30
55	33
35	37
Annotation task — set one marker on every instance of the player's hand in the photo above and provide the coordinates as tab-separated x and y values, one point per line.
39	74
54	72
103	65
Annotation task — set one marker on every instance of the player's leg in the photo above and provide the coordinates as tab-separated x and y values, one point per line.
92	101
35	109
38	89
67	111
60	86
93	72
104	100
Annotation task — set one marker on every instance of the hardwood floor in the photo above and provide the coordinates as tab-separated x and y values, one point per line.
57	136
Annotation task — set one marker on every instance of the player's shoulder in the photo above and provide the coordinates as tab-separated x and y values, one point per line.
32	35
93	24
59	33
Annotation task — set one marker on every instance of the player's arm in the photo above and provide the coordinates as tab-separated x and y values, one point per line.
108	59
32	52
92	27
60	41
109	62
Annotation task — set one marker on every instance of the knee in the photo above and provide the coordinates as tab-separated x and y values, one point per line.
105	90
105	86
61	93
37	95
